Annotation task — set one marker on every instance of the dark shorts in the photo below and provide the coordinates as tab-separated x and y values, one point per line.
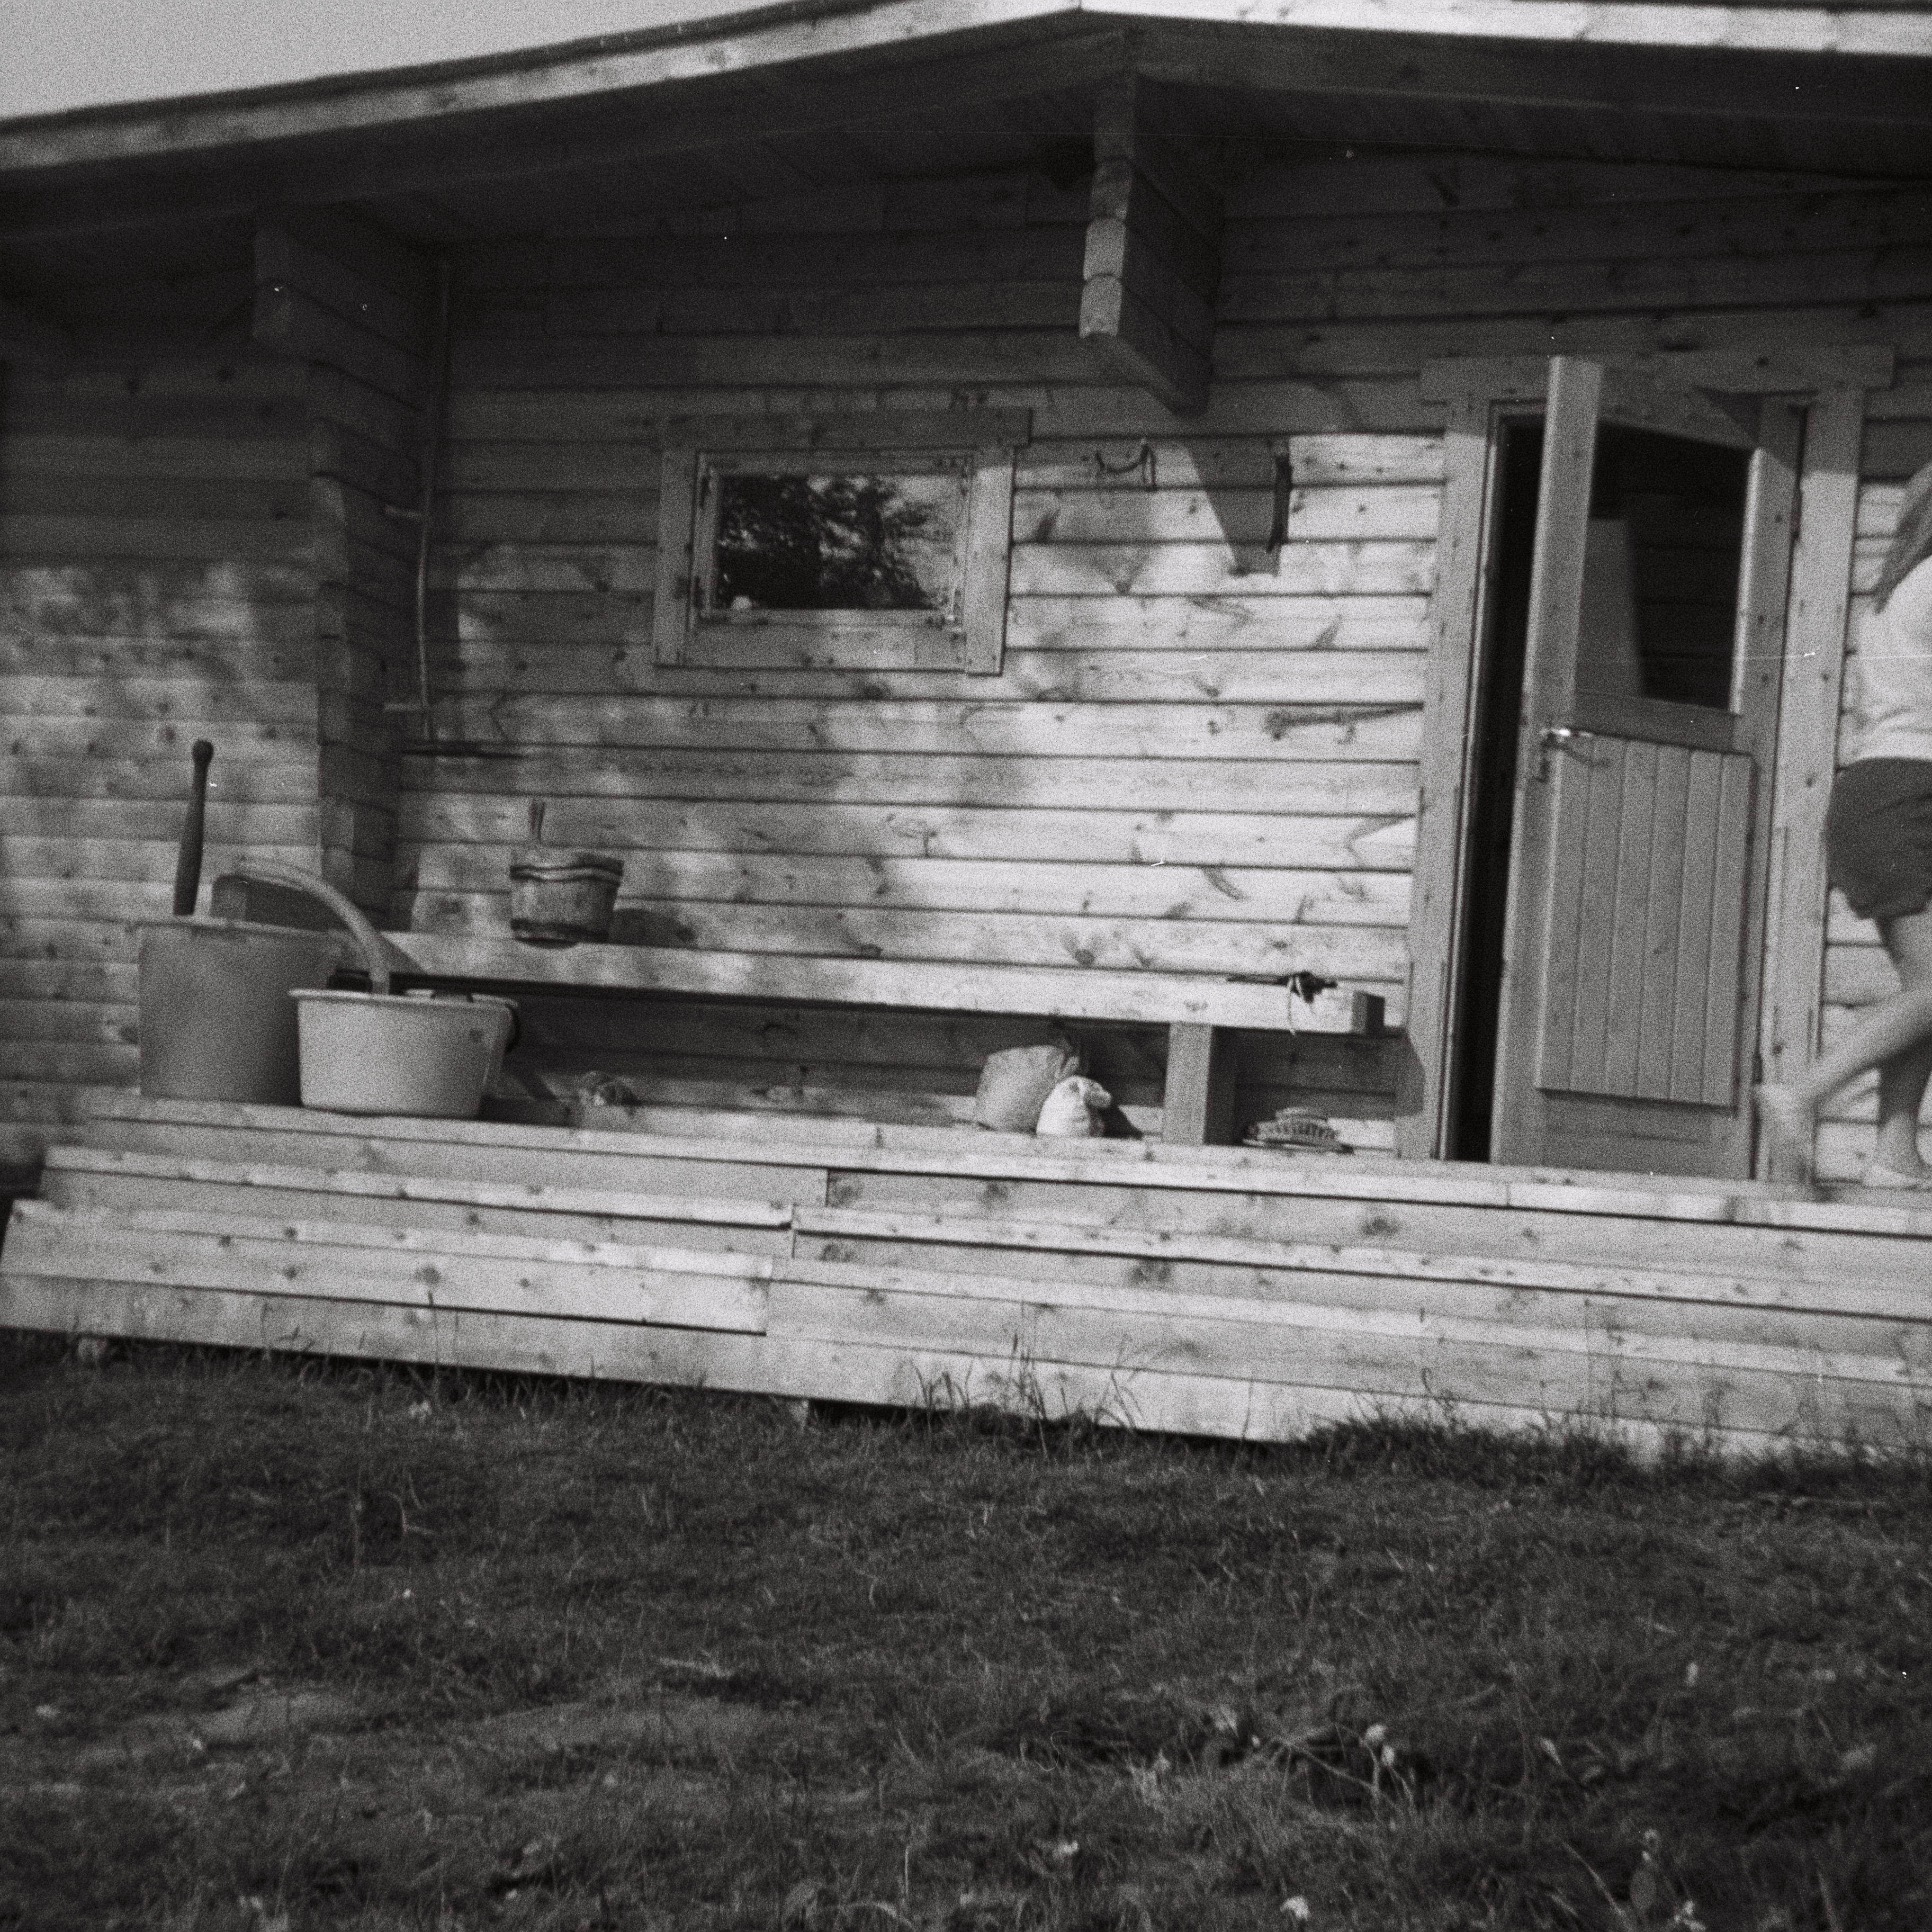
1878	836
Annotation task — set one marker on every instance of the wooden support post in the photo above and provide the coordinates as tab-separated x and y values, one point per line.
1817	610
1448	713
1153	262
354	303
1198	1109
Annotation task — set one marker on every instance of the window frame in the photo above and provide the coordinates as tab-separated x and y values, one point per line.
970	638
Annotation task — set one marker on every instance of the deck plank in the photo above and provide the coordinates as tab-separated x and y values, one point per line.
432	1272
1220	1292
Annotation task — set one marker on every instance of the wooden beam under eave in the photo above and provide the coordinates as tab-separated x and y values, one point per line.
1153	266
335	290
1136	344
30	339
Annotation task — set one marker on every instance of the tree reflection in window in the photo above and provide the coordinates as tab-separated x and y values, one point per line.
837	543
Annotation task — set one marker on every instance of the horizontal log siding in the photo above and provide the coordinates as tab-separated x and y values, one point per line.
155	587
1200	754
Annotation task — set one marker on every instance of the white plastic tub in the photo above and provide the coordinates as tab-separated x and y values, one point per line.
378	1053
385	1053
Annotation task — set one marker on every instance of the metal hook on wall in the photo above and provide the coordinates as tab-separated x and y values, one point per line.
1284	495
1142	459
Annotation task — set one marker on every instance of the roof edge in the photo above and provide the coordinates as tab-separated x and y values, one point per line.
717	47
470	67
714	46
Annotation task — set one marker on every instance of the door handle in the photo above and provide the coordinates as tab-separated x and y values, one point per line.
1553	738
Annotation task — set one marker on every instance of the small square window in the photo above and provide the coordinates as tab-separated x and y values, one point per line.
861	543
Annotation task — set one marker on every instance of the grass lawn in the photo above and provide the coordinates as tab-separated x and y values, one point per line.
285	1646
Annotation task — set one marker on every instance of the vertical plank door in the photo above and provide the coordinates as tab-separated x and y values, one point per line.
1633	952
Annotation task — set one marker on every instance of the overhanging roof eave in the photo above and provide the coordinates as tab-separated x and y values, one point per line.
741	41
748	41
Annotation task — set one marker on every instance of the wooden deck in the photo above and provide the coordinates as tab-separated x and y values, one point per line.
1214	1291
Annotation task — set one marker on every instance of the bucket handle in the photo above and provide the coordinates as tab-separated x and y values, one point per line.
375	956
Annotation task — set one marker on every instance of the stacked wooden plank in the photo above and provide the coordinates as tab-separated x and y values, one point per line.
1153	265
1217	1292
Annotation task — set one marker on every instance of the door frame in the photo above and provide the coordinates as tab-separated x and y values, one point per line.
1829	385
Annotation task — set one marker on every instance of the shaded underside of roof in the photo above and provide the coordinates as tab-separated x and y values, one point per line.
795	101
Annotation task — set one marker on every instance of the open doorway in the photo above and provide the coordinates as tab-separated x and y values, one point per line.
1665	537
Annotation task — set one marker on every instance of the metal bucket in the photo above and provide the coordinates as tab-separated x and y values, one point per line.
217	1022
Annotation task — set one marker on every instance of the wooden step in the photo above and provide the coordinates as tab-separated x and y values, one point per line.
1402	1357
1888	1287
1423	1205
786	1326
785	1141
133	1182
1760	1242
1219	1290
236	1134
424	1270
1861	1312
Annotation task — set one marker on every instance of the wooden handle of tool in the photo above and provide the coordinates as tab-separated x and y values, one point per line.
187	861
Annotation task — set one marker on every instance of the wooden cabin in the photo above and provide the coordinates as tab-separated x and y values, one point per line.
1397	488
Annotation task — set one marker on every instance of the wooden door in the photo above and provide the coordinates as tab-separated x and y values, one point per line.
1633	948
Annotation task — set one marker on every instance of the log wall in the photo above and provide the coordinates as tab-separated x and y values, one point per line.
155	588
1202	752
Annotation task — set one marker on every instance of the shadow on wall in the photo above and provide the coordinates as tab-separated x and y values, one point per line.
138	660
119	666
1211	637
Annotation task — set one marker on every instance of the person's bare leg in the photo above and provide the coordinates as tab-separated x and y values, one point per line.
1902	1082
1902	1079
1895	1035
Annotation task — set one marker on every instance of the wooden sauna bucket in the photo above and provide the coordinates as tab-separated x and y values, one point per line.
561	898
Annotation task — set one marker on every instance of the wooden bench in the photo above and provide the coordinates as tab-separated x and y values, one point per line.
1201	1015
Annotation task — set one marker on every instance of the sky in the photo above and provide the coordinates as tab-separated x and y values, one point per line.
62	54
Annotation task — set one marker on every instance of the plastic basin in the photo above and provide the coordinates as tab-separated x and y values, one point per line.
387	1053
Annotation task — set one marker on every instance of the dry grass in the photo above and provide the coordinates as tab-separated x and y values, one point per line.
287	1647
